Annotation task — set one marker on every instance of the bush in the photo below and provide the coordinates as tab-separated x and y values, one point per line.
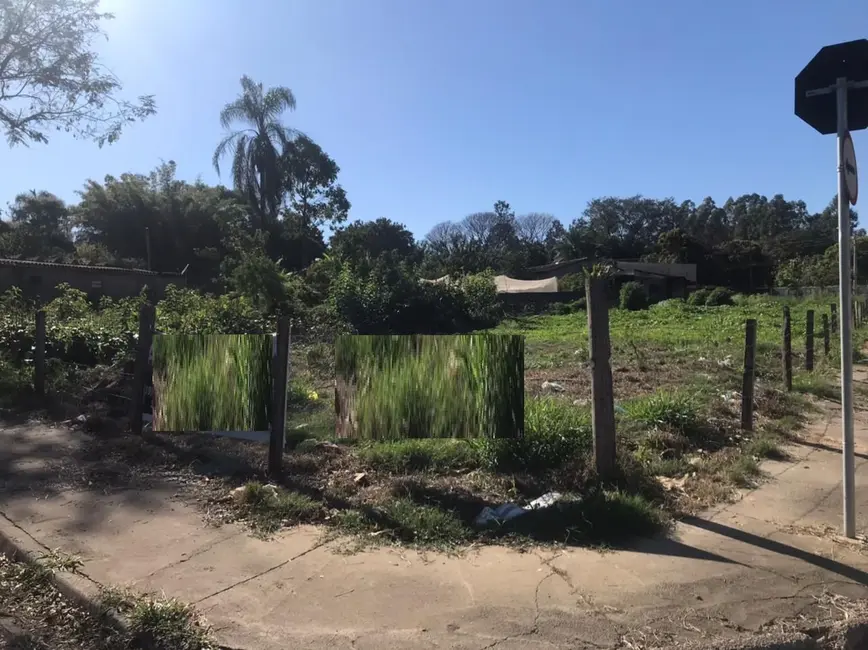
572	282
718	297
698	297
392	299
633	296
563	308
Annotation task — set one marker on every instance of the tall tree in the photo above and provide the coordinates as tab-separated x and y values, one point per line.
257	147
50	79
185	222
39	227
364	241
310	176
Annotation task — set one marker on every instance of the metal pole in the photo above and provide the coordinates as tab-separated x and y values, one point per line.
845	313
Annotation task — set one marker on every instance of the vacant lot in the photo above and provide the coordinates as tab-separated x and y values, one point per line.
677	375
677	378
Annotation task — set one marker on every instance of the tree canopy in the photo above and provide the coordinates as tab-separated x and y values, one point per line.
52	80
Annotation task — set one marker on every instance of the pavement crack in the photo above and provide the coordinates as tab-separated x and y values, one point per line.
47	550
261	573
535	625
196	553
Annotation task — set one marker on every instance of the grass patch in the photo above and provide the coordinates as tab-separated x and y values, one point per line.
667	410
764	447
268	507
817	385
159	623
742	471
556	433
599	517
417	455
403	520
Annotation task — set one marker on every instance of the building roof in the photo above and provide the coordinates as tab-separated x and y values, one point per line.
84	267
556	265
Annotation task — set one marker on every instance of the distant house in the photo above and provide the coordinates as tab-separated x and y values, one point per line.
661	281
39	279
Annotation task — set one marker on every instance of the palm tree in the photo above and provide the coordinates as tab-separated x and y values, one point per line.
256	166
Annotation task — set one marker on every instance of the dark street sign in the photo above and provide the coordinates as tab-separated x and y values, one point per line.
818	109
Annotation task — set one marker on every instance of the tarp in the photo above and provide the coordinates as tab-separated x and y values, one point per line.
510	285
444	280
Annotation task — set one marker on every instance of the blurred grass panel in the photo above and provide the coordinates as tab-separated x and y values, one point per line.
414	386
212	382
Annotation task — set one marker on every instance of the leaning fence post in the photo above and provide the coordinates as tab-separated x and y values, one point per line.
825	319
748	376
142	366
787	350
834	309
602	394
280	378
39	355
809	340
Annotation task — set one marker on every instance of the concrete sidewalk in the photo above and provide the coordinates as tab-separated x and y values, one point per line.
737	568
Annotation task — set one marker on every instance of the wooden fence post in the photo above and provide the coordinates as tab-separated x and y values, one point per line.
602	395
280	378
748	376
142	366
834	310
809	341
39	355
787	350
825	319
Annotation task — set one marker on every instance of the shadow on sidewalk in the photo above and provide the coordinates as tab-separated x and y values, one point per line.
850	572
824	447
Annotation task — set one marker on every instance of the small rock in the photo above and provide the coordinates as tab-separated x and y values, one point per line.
237	493
361	478
553	386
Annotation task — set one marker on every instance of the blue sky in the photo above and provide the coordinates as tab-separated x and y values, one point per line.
438	108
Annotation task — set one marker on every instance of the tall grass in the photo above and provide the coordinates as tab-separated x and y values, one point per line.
212	382
416	386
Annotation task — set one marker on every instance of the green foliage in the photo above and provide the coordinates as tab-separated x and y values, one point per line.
673	411
480	299
698	297
556	433
718	297
406	521
50	61
185	311
268	507
417	455
572	282
212	382
633	296
463	386
391	298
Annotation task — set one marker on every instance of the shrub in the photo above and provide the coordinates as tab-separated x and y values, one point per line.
391	299
572	282
718	297
633	296
698	297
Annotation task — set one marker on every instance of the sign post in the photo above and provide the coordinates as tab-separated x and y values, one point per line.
832	96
